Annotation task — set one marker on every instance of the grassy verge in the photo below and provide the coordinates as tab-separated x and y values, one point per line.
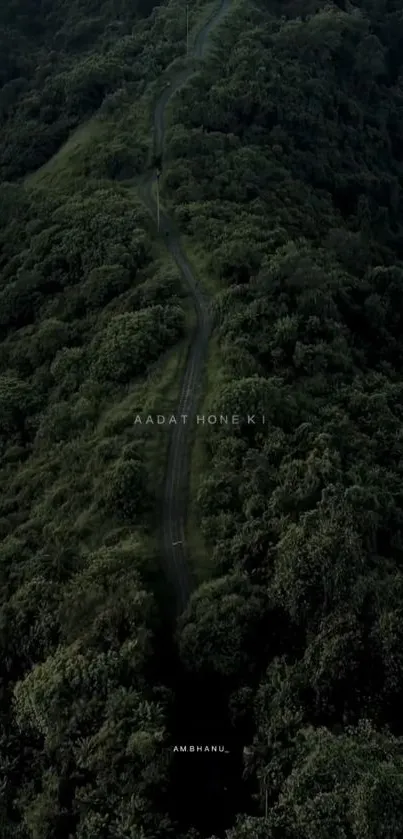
199	261
67	163
200	464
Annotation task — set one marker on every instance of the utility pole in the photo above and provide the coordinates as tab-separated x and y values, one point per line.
187	29
263	792
158	200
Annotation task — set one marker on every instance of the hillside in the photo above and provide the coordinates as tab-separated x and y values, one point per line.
282	184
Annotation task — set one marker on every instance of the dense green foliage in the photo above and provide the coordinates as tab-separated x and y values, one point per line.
81	723
63	62
88	306
298	116
284	167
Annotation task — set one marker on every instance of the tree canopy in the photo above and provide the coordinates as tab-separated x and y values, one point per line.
282	178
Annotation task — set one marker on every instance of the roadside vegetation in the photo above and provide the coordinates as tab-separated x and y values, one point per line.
94	327
283	172
285	168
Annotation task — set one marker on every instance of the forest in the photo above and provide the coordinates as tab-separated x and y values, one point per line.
283	172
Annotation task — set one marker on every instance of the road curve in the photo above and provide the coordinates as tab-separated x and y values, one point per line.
177	471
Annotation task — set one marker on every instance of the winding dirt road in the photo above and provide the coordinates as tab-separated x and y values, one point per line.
177	472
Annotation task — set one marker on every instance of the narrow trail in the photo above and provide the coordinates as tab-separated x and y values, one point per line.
177	472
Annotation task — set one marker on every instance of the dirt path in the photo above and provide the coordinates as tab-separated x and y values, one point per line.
177	472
